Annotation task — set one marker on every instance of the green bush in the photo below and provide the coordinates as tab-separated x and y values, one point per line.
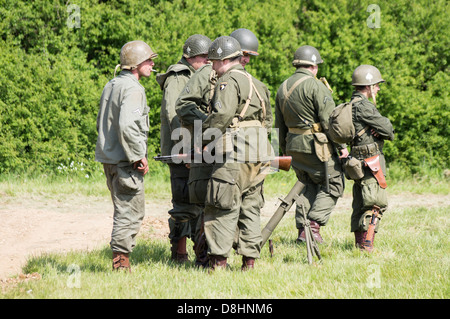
55	66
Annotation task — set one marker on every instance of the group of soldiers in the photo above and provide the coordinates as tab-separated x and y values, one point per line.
217	205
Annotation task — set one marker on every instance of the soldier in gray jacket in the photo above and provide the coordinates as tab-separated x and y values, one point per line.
122	126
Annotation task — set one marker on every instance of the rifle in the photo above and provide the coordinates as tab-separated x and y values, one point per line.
324	81
281	162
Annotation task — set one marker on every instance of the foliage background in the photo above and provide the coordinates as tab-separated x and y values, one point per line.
54	66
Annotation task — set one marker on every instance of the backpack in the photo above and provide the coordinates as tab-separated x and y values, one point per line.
340	124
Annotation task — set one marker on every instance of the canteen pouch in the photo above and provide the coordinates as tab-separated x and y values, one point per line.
374	164
353	169
322	147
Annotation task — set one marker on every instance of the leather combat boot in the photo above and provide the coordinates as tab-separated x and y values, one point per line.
367	246
217	262
179	253
247	263
315	228
359	239
301	235
360	242
121	261
201	252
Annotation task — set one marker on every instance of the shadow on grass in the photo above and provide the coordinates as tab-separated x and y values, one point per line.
145	252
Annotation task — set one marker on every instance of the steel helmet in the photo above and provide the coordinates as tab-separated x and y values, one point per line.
366	75
306	55
134	53
196	44
224	47
247	39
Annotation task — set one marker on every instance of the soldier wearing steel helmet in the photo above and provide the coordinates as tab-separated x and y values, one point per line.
184	214
192	107
240	106
303	106
122	126
249	44
372	129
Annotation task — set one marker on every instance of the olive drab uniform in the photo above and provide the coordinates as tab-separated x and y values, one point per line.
367	191
192	108
183	215
302	119
240	107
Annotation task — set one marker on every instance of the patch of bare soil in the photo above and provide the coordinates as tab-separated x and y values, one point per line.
38	224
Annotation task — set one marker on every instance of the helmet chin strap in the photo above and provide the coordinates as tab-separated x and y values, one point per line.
115	70
372	93
123	67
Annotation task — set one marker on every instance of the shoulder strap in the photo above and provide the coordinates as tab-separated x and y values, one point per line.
212	85
247	103
287	94
360	133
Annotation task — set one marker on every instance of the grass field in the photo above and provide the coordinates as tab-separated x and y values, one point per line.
411	259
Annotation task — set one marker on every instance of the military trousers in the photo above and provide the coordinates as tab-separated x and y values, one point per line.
128	196
184	215
366	193
199	175
234	199
317	202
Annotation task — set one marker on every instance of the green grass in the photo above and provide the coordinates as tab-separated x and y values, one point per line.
411	263
411	259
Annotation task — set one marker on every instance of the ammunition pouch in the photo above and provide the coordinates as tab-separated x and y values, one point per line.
374	165
362	152
322	146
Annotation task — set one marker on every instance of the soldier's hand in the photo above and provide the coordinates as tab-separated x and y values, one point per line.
141	166
344	153
375	133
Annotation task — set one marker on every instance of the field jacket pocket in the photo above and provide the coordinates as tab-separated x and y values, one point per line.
130	180
222	190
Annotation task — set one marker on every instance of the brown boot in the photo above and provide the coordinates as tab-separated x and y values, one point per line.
360	242
247	263
121	261
179	252
217	262
301	235
201	252
315	228
359	239
367	245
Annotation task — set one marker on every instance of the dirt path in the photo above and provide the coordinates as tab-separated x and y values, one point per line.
40	224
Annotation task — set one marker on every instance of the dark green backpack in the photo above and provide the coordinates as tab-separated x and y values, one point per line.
341	129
